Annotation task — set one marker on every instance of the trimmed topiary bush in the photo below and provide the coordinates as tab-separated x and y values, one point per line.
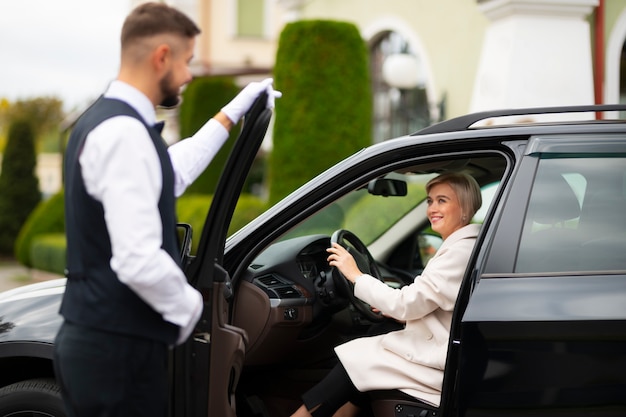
202	99
326	110
48	253
19	186
48	217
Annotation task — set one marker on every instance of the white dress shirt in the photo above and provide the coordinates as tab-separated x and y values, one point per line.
121	169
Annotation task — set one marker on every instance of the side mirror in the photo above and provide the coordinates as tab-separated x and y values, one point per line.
427	244
387	187
184	233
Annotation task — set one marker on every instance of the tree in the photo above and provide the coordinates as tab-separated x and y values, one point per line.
19	186
325	113
45	115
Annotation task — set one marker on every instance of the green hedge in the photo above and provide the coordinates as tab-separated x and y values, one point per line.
46	218
325	113
47	253
202	99
193	209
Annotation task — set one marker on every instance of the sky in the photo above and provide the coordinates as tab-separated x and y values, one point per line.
68	49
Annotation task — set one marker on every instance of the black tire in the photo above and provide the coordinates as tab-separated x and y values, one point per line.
32	398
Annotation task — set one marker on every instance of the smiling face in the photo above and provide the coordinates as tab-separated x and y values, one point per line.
444	210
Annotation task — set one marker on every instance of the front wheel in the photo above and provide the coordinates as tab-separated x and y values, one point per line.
32	398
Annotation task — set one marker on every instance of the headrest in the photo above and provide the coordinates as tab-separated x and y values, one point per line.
553	200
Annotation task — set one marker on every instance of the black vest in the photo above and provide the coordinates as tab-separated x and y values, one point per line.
94	296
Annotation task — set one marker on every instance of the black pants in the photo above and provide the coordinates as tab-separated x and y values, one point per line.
332	392
336	388
105	374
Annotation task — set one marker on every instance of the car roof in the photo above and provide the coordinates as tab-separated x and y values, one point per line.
523	117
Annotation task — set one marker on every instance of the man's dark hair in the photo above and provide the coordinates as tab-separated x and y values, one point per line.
151	19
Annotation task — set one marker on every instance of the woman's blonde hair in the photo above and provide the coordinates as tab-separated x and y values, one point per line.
466	188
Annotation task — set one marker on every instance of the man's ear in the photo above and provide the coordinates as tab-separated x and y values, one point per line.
161	57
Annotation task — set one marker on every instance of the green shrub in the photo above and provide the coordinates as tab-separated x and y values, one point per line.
47	221
325	113
193	209
47	253
248	208
47	217
19	186
202	99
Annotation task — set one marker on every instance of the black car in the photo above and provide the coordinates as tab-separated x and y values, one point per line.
540	322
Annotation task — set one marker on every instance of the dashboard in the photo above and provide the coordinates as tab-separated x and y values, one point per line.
287	296
288	299
294	271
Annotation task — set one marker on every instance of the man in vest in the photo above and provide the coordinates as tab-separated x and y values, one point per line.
127	300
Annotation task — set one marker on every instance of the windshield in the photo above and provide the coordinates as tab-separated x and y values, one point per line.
370	215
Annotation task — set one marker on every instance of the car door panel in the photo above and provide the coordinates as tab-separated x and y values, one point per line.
216	351
552	350
543	332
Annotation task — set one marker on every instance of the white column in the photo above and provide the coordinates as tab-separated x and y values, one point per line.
535	53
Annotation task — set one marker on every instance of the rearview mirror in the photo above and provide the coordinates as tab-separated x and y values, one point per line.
387	187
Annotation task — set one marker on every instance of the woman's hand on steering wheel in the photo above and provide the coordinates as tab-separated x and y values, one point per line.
346	269
341	259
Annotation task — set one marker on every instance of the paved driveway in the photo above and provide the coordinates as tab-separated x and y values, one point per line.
14	275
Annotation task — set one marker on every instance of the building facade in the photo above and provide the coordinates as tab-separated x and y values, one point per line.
461	55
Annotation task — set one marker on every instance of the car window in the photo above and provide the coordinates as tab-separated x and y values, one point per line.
576	216
385	223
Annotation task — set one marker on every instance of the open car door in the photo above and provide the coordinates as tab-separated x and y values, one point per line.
206	369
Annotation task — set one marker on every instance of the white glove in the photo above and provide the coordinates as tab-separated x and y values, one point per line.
244	100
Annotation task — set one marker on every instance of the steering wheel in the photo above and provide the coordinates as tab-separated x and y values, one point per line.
366	264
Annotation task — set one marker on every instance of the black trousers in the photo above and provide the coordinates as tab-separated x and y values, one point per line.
332	392
105	374
336	388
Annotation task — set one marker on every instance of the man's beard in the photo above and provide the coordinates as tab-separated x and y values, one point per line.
171	93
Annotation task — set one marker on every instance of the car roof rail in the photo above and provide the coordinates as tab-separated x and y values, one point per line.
465	122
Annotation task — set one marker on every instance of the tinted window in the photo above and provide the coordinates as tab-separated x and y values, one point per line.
576	217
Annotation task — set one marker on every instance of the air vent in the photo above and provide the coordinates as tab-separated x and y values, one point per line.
288	292
270	280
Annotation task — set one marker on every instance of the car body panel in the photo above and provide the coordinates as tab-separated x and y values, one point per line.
205	369
31	313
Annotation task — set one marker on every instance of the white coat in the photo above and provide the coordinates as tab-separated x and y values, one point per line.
412	359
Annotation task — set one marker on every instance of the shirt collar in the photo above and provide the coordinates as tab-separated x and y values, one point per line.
136	99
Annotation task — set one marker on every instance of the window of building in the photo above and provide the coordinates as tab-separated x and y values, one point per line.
251	18
397	111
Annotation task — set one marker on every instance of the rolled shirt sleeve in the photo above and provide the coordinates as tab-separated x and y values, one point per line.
191	156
